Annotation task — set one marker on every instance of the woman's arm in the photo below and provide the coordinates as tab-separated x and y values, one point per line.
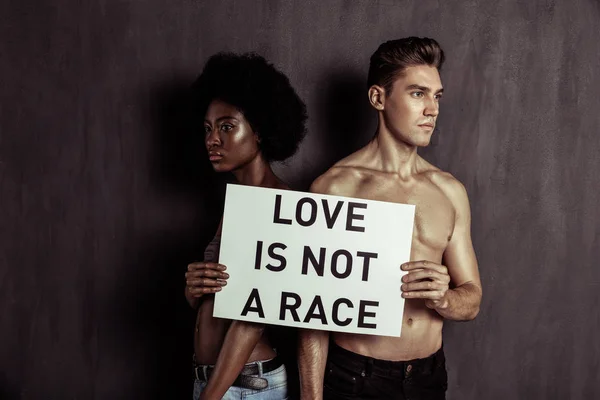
239	343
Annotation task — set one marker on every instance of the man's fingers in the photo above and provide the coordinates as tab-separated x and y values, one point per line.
427	274
424	294
424	264
424	285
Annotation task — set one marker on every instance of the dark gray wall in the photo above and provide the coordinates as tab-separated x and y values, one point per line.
102	204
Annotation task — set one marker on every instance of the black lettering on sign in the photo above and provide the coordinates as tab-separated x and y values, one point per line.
334	261
292	308
336	309
254	296
313	211
276	215
367	259
352	216
278	257
258	255
362	313
319	266
317	303
330	218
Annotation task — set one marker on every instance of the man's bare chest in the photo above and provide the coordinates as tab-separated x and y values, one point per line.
434	213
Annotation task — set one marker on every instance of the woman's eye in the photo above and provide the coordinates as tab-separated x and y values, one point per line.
207	129
226	127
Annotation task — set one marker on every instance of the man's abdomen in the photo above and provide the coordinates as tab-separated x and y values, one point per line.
421	337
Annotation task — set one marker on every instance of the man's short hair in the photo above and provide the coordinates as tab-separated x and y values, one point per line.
392	57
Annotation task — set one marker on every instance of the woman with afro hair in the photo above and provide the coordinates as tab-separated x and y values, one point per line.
251	117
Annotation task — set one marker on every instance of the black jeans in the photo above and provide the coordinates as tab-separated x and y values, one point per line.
353	376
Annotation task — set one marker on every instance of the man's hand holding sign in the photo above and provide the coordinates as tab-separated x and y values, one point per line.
426	280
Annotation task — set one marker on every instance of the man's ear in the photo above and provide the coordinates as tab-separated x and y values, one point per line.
377	97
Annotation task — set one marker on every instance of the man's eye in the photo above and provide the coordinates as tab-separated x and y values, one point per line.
417	94
438	96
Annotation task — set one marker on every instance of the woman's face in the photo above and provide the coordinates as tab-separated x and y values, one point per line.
229	139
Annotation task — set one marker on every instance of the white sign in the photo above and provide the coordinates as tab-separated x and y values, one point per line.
314	261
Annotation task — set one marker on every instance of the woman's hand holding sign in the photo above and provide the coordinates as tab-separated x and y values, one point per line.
426	280
205	278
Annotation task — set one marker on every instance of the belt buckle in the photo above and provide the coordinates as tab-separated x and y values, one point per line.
204	376
253	382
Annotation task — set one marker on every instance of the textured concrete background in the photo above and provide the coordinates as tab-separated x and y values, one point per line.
103	200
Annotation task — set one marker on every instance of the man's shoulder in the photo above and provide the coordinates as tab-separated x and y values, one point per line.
345	176
338	180
447	183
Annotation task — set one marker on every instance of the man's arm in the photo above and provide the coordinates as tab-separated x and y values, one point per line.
312	357
431	281
462	303
463	300
239	343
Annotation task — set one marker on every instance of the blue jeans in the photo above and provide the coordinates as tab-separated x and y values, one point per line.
277	389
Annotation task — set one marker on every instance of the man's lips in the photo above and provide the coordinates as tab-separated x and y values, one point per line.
427	125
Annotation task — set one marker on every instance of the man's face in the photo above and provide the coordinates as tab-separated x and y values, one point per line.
411	109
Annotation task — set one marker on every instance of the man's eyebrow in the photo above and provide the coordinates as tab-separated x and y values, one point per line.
423	88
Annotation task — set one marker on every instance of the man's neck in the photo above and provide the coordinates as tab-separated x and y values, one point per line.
393	155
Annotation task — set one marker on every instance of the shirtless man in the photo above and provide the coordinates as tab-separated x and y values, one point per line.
442	279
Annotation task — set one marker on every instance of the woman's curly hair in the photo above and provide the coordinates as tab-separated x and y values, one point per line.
260	92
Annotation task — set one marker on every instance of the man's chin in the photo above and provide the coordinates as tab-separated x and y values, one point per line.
424	142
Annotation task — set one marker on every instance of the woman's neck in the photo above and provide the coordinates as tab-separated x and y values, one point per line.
257	172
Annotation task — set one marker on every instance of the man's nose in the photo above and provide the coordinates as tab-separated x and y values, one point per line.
432	108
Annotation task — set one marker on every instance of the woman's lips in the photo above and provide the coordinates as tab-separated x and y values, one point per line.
214	156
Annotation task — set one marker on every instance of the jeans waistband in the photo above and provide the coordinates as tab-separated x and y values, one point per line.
368	365
251	376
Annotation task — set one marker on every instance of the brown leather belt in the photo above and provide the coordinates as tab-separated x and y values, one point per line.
246	378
